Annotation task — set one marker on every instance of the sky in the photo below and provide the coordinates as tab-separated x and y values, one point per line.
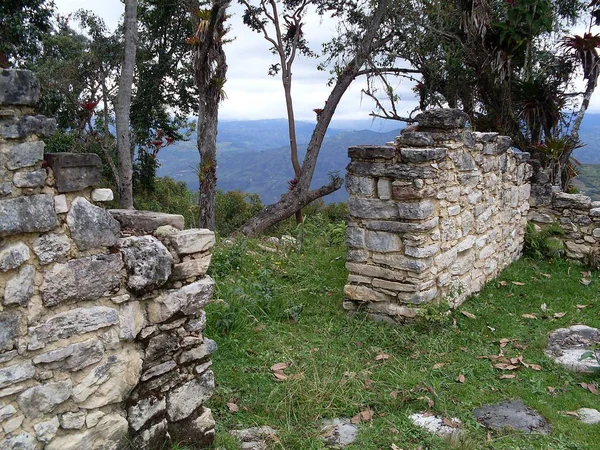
252	93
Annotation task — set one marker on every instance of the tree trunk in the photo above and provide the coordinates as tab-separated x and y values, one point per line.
301	195
123	106
106	141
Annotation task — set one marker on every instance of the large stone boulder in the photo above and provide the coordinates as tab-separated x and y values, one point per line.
91	226
148	262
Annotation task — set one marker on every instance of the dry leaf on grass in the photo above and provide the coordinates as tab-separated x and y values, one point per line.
529	316
585	281
395	447
547	275
558	315
280	366
382	357
508	376
535	367
461	378
449	423
469	315
518	283
572	413
504	342
438	365
394	394
363	416
280	375
430	402
503	366
503	283
232	407
582	306
590	387
551	390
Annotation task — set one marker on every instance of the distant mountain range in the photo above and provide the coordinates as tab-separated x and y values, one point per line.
253	156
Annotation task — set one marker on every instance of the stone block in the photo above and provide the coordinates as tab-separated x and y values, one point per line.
36	178
369	270
146	221
397	171
82	279
191	241
370	152
189	299
191	269
110	433
72	420
102	195
91	226
131	320
60	204
425	251
13	256
415	211
187	398
394	285
45	431
19	87
73	357
364	294
22	127
414	139
70	323
372	208
15	374
403	262
10	323
403	227
75	171
384	189
539	217
19	289
445	119
148	262
51	247
198	353
418	298
383	242
355	237
563	200
21	441
42	399
403	192
25	154
362	186
144	410
33	213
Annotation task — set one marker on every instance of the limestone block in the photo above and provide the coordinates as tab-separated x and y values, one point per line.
45	431
357	255
13	256
82	279
109	434
189	299
197	325
355	237
10	323
75	171
415	211
391	309
21	441
445	119
372	208
110	382
383	242
539	216
422	155
60	204
131	320
572	201
364	294
384	189
148	262
418	298
191	269
51	247
161	347
23	155
91	226
19	289
93	417
198	353
22	127
191	241
402	262
6	411
446	259
34	179
398	171
362	186
424	251
12	425
185	399
144	410
401	191
394	286
73	357
158	370
454	210
370	152
70	323
146	221
19	87
42	399
15	374
414	139
102	195
72	420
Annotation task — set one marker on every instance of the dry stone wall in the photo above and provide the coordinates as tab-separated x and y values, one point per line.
101	314
434	215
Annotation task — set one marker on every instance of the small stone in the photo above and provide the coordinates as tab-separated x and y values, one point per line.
254	434
209	346
19	289
51	247
435	424
13	256
15	374
165	231
26	154
109	434
158	370
102	195
191	269
363	186
8	356
42	399
144	410
567	345
148	262
72	420
338	433
118	299
92	418
185	399
415	211
6	412
34	179
422	155
589	416
197	325
22	441
60	204
13	424
91	226
10	322
73	357
512	414
45	431
191	241
189	299
131	320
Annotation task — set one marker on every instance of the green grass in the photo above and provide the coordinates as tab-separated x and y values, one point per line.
273	307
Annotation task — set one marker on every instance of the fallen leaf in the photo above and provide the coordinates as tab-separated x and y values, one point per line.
449	423
518	283
585	281
518	345
502	283
366	415
280	375
508	376
395	447
280	366
558	315
503	366
368	384
382	357
581	306
438	365
394	394
529	316
430	402
461	378
551	390
232	407
572	413
355	419
503	342
590	387
469	315
535	367
547	275
260	327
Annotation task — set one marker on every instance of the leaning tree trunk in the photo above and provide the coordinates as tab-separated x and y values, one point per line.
301	195
123	106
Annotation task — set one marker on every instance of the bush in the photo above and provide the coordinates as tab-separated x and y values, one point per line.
543	243
233	209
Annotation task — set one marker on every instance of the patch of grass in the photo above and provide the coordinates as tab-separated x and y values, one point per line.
335	370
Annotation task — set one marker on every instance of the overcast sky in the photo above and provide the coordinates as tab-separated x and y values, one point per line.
251	93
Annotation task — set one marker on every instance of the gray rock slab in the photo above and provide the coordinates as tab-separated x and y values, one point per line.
25	154
422	155
72	420
338	433
75	171
146	221
512	414
82	279
189	299
567	345
19	87
10	322
414	139
32	213
39	400
51	247
15	374
73	357
185	399
445	119
190	241
92	226
22	441
6	411
109	434
372	152
193	268
24	126
144	410
148	262
435	424
45	431
31	179
13	256
19	288
589	416
71	323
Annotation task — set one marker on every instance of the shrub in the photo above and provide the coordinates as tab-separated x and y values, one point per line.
233	209
543	243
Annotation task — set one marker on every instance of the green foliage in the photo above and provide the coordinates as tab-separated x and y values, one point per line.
543	243
233	209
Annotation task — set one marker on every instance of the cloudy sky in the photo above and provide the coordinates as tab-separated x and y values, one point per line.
251	93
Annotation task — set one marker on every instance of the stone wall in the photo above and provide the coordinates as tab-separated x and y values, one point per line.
434	215
101	320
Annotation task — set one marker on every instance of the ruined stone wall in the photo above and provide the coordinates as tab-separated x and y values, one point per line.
434	215
101	320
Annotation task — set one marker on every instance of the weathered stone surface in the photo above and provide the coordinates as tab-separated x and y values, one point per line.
82	279
415	211
22	127
436	425
381	241
72	420
60	204
424	251
418	298
189	300
19	87
19	289
372	152
91	226
102	195
9	329
571	201
148	262
191	269
161	369
422	155
146	221
51	247
42	399
402	262
45	431
442	118
384	188
13	424
338	433
512	414
413	139
36	178
161	346
75	171
72	357
364	294
153	437
198	324
27	214
8	356
191	241
93	417
363	186
71	323
589	416
372	208
15	374
397	171
144	410
6	411
198	353
109	434
355	237
110	382
131	320
13	256
185	399
566	345
22	441
25	154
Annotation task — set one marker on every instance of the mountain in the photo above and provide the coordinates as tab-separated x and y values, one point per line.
253	156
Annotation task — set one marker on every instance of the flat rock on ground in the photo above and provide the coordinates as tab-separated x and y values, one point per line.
436	425
254	438
589	416
338	433
512	414
566	345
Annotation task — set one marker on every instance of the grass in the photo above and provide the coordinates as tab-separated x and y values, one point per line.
286	307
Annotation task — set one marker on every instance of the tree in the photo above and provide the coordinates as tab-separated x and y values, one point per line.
123	107
22	25
371	37
210	71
